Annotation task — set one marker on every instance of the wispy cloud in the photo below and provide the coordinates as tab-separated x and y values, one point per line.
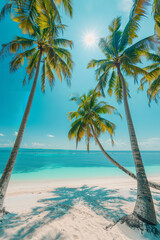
50	135
119	144
15	133
1	134
8	144
125	5
37	145
150	144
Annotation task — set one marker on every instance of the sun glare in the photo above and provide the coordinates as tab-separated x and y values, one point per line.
90	39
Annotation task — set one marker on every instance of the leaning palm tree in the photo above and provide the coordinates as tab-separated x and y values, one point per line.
121	58
43	50
89	124
90	103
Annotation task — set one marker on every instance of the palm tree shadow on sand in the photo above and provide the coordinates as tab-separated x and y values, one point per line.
105	202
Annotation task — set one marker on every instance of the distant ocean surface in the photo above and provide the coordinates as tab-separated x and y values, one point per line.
66	164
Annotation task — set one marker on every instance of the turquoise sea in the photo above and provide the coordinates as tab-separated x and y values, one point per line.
61	164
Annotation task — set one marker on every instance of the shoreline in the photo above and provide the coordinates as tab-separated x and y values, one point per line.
64	173
31	186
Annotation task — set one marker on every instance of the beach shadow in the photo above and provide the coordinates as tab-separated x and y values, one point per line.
105	202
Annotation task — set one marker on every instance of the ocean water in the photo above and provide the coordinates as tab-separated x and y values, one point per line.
65	164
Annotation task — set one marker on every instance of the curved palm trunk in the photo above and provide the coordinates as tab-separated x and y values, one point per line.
144	207
110	158
129	173
4	181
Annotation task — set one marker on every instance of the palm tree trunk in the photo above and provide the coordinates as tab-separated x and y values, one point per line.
129	173
144	207
110	158
4	181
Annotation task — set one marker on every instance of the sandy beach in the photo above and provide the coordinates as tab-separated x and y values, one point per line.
72	209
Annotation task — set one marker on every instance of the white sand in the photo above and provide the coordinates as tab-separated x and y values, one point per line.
71	209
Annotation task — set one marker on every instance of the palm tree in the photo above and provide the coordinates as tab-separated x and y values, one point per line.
90	124
46	50
122	57
89	103
25	11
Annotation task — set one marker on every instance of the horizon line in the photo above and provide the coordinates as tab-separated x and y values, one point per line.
79	149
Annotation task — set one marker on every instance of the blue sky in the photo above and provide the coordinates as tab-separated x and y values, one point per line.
48	125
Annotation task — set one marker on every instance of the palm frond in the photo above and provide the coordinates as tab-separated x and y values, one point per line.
106	125
115	25
66	4
43	77
15	45
96	63
111	83
106	47
139	8
56	58
118	90
32	61
49	74
74	129
152	57
16	62
6	9
152	75
154	90
130	32
114	37
142	46
26	16
63	42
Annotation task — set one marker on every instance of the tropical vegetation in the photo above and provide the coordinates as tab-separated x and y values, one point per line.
45	53
25	11
152	78
90	107
140	10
